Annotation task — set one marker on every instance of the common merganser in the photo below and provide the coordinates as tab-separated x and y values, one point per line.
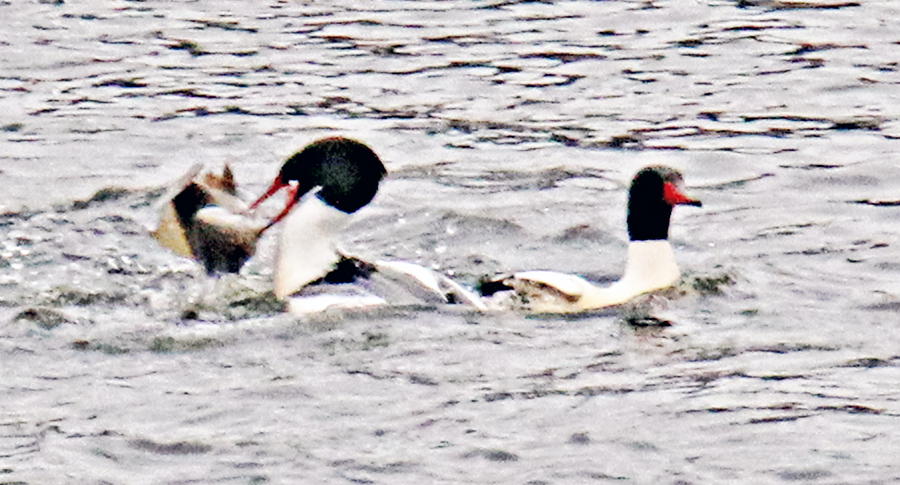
328	181
651	265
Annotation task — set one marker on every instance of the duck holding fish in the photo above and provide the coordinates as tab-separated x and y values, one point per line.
327	183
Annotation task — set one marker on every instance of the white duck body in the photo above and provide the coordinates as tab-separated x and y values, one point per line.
308	261
307	248
389	284
651	266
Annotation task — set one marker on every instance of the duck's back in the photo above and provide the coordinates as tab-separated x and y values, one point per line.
355	283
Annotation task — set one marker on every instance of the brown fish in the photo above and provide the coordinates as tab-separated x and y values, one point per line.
202	217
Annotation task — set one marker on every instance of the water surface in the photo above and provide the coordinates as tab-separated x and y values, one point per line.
510	130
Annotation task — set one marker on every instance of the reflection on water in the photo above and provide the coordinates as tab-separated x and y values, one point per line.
510	130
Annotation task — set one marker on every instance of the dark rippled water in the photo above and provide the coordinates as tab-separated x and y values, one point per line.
510	130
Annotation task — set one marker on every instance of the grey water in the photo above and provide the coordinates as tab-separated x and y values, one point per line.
510	130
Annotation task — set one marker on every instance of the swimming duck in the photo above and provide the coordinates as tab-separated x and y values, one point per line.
651	265
327	182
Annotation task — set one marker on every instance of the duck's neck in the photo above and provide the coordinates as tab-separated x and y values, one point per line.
651	266
307	249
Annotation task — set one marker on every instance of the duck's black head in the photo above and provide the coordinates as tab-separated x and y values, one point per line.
654	192
347	171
